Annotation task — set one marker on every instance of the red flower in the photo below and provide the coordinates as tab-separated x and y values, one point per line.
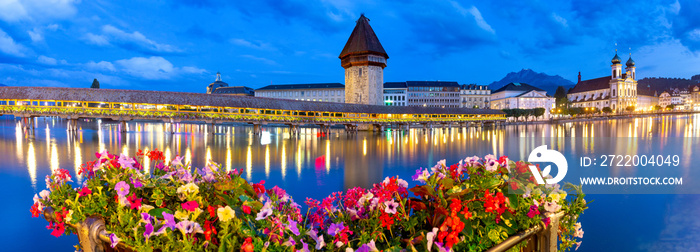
247	245
155	155
513	185
208	230
35	210
84	192
139	153
259	187
246	209
212	211
134	201
58	229
190	205
495	204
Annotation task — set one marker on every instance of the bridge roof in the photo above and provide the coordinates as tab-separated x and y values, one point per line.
217	100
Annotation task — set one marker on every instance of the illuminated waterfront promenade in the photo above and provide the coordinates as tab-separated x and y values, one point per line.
174	107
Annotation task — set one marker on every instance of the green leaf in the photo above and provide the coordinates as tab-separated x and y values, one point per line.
514	200
158	212
424	190
448	182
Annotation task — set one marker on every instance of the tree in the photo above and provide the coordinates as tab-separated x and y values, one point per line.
560	96
95	84
657	107
607	110
539	112
630	108
670	107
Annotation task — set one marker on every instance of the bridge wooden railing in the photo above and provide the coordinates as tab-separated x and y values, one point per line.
160	111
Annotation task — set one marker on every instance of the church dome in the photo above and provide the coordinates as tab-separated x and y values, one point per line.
616	59
630	62
216	84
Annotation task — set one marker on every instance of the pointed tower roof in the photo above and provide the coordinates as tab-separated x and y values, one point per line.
363	40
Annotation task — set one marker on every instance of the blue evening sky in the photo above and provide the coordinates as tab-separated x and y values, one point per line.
180	45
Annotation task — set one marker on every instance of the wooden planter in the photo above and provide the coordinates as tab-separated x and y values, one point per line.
93	237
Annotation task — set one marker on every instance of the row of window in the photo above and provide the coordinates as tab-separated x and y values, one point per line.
300	93
478	92
434	89
433	95
395	98
475	99
433	101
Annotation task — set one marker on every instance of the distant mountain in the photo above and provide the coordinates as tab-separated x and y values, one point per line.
660	84
541	80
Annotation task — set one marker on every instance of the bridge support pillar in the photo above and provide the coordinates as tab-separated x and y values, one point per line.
257	129
122	126
27	122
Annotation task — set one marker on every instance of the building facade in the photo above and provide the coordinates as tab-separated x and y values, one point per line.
646	98
395	93
325	92
681	99
364	60
216	84
617	91
695	97
438	94
522	96
474	96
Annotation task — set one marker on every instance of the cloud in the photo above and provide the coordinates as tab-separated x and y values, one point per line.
260	59
10	47
259	45
131	41
36	10
35	34
94	39
325	16
47	60
154	68
447	28
685	23
101	66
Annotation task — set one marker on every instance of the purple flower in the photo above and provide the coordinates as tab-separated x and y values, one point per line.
533	211
335	228
149	230
189	227
145	217
319	239
137	183
292	226
442	248
304	246
122	188
264	213
419	171
390	206
126	162
177	161
546	221
114	240
169	223
161	166
421	176
290	243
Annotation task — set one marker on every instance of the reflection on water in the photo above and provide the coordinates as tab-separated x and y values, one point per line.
340	161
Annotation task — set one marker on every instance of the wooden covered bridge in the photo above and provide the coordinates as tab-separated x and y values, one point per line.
173	107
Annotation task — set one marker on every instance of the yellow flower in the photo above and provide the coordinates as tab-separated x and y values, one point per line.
182	215
146	208
69	216
196	213
189	189
225	213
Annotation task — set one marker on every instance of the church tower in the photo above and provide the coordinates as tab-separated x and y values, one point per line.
631	69
364	60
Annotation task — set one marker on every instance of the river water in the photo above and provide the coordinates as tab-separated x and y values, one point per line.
622	218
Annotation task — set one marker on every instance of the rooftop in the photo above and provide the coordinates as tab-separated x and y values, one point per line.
219	100
592	84
302	86
363	40
516	86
